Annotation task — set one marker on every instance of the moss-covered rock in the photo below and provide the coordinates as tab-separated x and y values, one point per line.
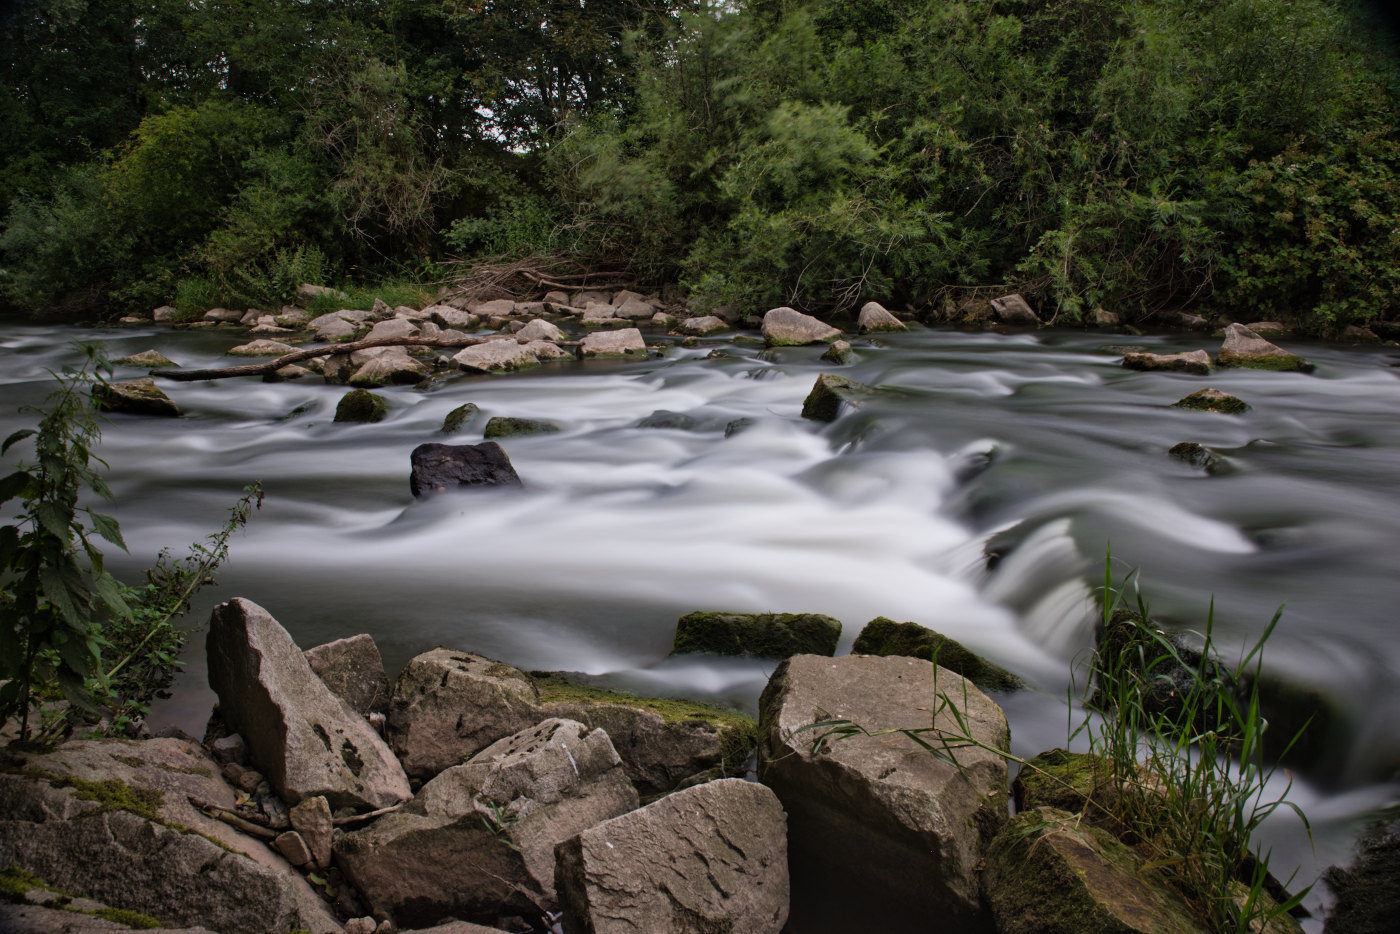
361	405
839	353
457	419
1068	781
829	393
883	636
1199	456
147	358
1212	400
762	635
1244	348
1368	892
135	397
499	427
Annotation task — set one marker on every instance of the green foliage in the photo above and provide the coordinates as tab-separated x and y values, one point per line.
194	296
523	225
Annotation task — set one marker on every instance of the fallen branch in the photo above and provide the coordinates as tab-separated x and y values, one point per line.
356	817
297	356
239	823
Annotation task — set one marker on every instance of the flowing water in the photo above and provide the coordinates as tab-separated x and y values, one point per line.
619	529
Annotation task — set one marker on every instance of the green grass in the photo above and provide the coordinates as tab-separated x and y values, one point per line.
395	293
194	296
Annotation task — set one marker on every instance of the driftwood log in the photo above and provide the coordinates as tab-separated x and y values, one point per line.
298	356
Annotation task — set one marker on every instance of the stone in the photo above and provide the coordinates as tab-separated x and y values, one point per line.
738	425
262	348
502	427
709	858
164	313
477	842
289	372
540	330
306	293
590	297
361	405
360	926
380	310
354	672
562	309
448	317
312	819
498	308
304	738
495	357
459	417
1105	319
133	321
271	329
437	468
1212	400
336	331
879	815
135	397
1069	781
1270	328
1198	456
546	352
1358	335
1368	890
875	317
634	309
882	636
624	296
1012	309
663	320
228	749
830	394
1196	362
291	845
664	419
1244	348
396	367
393	327
838	353
557	298
449	705
223	315
702	327
786	327
292	317
760	635
147	358
111	820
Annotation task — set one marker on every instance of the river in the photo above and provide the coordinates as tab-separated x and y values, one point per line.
621	529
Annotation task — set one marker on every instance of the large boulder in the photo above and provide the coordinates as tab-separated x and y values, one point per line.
477	842
635	309
830	393
1078	782
1244	348
540	330
1012	309
875	317
757	635
1212	400
445	316
709	858
307	293
702	327
223	315
458	418
623	343
135	397
1195	361
336	330
496	357
1047	873
361	405
883	636
497	308
354	672
449	705
787	327
392	367
393	327
547	351
111	820
302	737
838	353
441	467
165	313
879	815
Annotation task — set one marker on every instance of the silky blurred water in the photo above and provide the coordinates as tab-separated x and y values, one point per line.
620	529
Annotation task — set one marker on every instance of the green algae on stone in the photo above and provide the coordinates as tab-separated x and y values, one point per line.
761	635
147	358
1287	363
883	636
458	418
110	794
135	397
500	427
132	919
1068	781
361	405
838	353
830	393
1212	400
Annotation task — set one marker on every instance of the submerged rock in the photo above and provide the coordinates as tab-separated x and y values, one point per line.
458	418
664	419
830	393
1198	456
1212	400
147	358
361	405
437	468
738	425
762	635
501	427
354	672
1012	309
838	353
875	317
1195	361
1244	348
135	397
882	636
787	327
709	858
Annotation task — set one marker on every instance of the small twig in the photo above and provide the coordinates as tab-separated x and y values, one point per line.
239	823
350	820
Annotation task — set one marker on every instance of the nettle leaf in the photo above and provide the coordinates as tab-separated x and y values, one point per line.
15	438
109	590
54	519
70	602
9	546
108	528
95	482
76	656
14	485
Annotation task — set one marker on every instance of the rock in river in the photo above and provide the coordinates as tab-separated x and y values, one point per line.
361	405
496	356
709	858
830	393
135	397
762	635
262	348
1244	348
882	636
838	353
1212	400
540	330
147	358
441	467
300	735
625	343
501	427
1195	361
875	317
702	327
458	418
392	366
1198	456
1012	309
787	327
354	671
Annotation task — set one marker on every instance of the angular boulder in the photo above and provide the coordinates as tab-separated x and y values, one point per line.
540	330
591	297
458	418
1105	319
165	313
354	672
709	858
361	405
496	308
663	320
1195	361
830	393
1368	891
1068	781
757	635
147	358
1244	348
449	705
1268	328
838	353
1212	400
336	331
300	735
477	842
1012	309
135	397
879	815
307	293
441	467
546	351
787	327
495	357
501	427
635	309
875	317
393	327
702	327
623	343
223	315
1048	874
393	367
262	348
882	636
445	316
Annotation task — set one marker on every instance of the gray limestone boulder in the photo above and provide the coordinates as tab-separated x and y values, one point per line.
135	397
449	705
879	815
547	352
634	308
702	327
262	348
354	672
591	297
165	313
709	858
223	315
497	308
875	317
306	293
838	353
300	735
445	316
393	327
1196	362
787	327
830	394
1105	319
623	343
496	357
1012	309
477	842
394	367
336	331
540	330
557	298
147	359
1244	348
1212	400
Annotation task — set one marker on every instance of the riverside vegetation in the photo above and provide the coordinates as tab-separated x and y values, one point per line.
1141	157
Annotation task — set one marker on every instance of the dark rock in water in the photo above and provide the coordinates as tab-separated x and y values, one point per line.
736	426
1198	456
441	467
1196	361
499	427
147	358
354	671
839	353
136	397
1368	893
457	419
882	636
664	419
829	393
1212	400
361	405
765	635
1125	349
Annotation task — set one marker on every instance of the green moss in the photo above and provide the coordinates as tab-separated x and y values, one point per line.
882	636
361	405
1288	363
499	427
764	635
110	794
16	883
131	919
1064	780
459	417
829	393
